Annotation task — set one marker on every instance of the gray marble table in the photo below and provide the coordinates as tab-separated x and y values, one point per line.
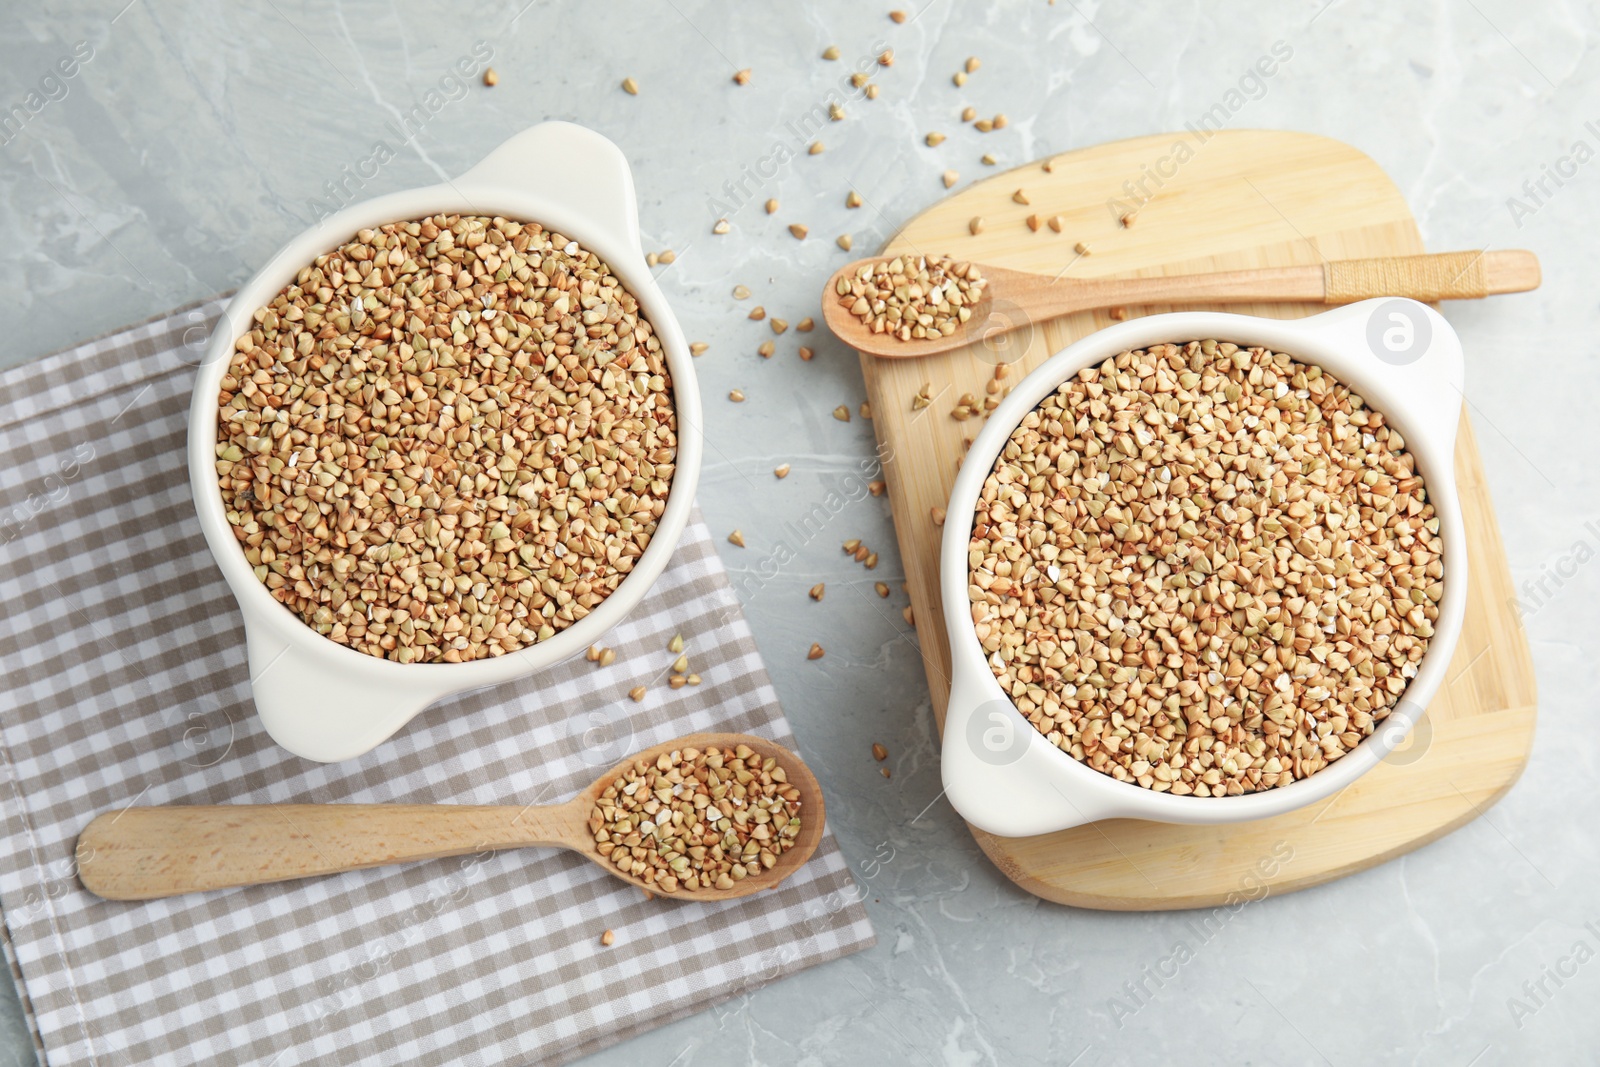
193	138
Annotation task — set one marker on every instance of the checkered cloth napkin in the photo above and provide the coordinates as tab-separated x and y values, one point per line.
123	681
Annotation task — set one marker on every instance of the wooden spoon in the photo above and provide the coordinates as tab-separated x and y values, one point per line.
1015	299
150	852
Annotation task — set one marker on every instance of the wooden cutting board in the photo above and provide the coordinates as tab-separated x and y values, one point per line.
1241	198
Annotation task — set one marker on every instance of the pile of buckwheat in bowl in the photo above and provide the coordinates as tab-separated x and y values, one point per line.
447	439
1205	569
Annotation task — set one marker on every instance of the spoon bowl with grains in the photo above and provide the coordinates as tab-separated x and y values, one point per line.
445	438
1201	568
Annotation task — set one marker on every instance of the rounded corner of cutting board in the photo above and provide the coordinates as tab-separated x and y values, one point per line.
1246	198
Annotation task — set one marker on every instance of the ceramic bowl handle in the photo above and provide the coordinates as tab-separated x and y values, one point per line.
571	166
1000	773
1415	354
320	711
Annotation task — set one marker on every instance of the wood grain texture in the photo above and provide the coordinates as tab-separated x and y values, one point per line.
151	852
143	853
1246	199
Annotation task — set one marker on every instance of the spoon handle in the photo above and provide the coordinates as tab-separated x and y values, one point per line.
1016	298
144	853
1440	276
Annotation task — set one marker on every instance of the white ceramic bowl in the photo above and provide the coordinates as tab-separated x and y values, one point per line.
320	699
1000	773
